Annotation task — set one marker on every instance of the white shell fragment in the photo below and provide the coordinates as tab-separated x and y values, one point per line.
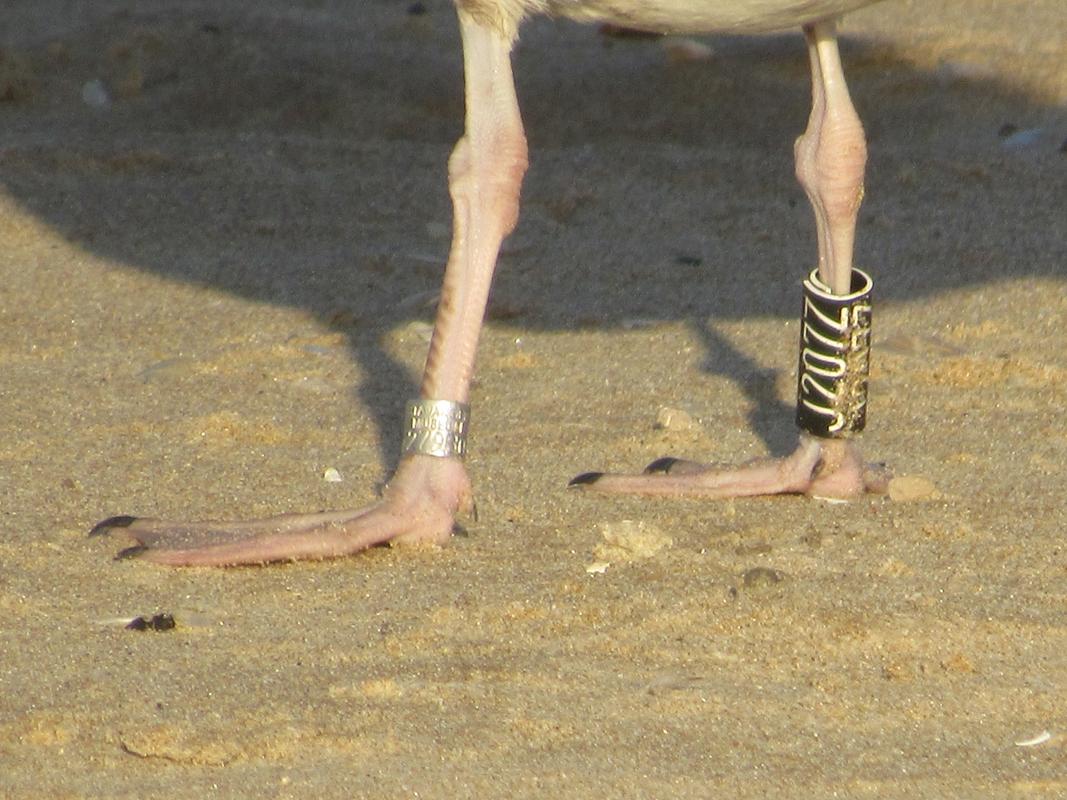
1041	738
331	475
598	568
834	501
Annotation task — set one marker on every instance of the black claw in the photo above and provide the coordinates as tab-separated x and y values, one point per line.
586	478
105	526
661	465
131	552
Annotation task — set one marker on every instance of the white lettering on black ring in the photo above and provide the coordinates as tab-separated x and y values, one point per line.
835	357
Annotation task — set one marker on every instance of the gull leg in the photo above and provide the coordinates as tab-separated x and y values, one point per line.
830	159
427	491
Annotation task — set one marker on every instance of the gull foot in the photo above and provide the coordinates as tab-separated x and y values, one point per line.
828	469
420	505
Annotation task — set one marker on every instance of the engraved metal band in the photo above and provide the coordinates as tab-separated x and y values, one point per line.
436	428
835	357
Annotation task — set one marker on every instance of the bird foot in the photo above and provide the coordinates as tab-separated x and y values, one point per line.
420	505
828	469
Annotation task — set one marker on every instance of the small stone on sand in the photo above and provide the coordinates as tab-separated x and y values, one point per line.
95	94
629	540
761	576
674	419
909	488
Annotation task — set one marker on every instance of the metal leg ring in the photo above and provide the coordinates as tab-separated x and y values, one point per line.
835	357
436	428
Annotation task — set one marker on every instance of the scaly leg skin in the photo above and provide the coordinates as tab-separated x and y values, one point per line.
427	492
830	160
419	505
826	469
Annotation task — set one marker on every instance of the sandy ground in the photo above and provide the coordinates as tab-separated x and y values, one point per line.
223	226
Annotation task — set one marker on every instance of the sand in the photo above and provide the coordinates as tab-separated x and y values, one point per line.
223	226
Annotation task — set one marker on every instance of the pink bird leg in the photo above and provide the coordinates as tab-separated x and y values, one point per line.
430	489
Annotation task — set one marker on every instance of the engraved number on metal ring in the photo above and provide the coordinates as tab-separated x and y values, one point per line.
436	428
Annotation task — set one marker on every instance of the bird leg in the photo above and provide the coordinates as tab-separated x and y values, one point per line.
430	486
830	160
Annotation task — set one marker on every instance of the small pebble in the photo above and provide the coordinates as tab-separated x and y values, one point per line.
949	72
417	329
95	94
630	540
170	369
908	488
1023	140
673	682
686	260
438	230
761	576
157	622
674	419
331	475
